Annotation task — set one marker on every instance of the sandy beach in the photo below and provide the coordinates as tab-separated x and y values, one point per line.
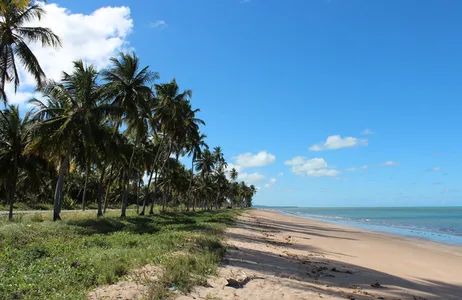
275	256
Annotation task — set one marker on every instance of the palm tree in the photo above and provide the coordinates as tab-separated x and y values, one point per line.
14	39
196	143
128	87
14	137
73	114
205	164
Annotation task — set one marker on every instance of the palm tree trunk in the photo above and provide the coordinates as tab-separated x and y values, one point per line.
138	196
128	173
84	196
190	184
146	195
108	188
164	197
216	200
13	189
100	193
151	210
59	184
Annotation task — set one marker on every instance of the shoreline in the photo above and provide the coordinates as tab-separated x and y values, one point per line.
279	256
394	232
432	235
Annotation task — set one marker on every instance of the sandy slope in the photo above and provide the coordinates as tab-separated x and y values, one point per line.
285	257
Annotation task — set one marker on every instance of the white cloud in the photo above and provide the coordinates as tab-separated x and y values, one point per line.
364	167
252	178
390	163
159	24
273	180
436	169
267	185
261	159
280	174
316	167
94	38
367	132
337	142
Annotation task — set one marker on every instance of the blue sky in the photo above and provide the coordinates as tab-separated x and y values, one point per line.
382	79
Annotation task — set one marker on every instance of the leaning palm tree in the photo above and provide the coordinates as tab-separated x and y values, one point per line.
14	38
73	114
128	87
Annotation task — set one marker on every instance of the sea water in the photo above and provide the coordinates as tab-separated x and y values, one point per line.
439	224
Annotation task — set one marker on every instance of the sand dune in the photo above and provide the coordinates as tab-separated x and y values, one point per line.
284	257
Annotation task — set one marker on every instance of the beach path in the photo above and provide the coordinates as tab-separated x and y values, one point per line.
275	256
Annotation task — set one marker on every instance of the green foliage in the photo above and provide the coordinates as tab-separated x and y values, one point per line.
41	259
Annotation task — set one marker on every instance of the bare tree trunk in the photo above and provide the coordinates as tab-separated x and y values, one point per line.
100	193
84	196
59	184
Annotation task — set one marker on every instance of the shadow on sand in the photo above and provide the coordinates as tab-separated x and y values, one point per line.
313	272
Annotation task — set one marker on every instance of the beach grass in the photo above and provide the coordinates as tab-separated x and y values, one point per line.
41	259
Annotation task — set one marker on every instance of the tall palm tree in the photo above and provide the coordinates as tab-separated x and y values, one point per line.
129	87
14	137
73	113
205	164
233	174
14	39
196	143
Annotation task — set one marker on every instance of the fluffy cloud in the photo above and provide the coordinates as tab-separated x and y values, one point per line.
316	167
337	142
390	163
273	180
367	132
261	159
94	38
252	178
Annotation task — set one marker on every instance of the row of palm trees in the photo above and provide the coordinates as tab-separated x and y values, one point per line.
116	131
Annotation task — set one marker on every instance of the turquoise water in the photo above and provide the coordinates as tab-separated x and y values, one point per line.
439	224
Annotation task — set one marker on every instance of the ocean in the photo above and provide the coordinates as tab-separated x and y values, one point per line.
439	224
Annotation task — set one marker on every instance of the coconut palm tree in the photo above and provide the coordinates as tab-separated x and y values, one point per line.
129	87
14	137
196	143
73	114
14	38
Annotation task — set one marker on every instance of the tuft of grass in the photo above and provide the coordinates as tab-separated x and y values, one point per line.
41	259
